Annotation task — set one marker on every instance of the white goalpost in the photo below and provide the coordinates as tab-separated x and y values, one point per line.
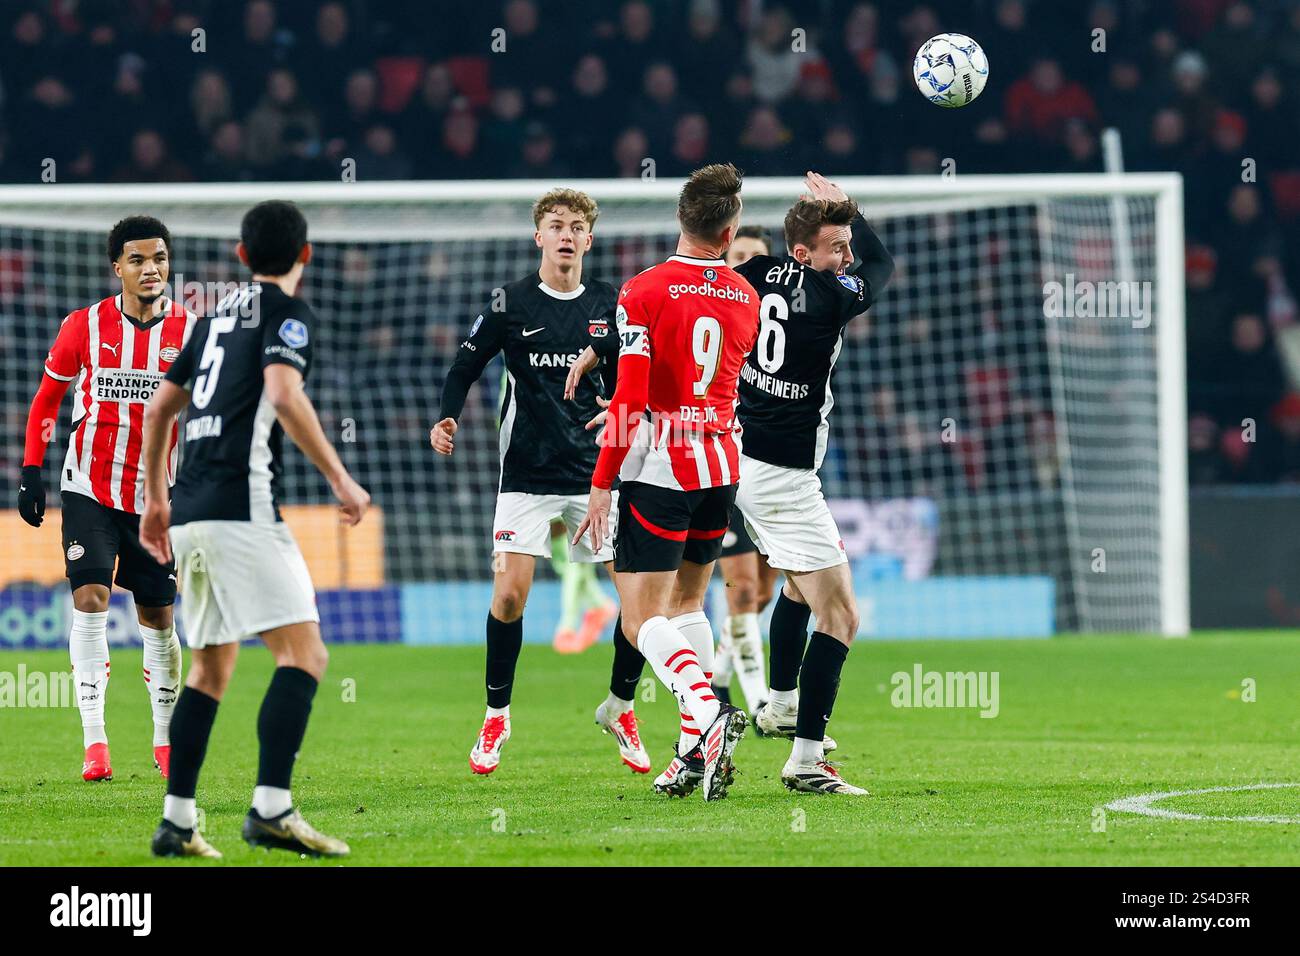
1008	441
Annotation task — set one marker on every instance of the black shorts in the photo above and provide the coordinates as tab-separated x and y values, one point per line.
96	537
658	528
737	540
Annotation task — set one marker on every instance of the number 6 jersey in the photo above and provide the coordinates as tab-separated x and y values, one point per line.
785	386
230	464
685	327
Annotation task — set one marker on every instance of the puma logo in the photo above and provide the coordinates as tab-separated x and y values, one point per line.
111	348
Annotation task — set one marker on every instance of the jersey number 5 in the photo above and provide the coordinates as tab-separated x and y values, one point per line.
205	383
706	344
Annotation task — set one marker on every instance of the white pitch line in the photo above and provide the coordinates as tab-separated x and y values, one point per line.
1142	804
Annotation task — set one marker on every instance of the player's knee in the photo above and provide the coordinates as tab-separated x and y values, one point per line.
631	626
207	679
791	591
508	604
743	594
90	599
763	594
318	658
158	618
841	621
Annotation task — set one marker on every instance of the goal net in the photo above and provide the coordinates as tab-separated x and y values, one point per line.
1007	450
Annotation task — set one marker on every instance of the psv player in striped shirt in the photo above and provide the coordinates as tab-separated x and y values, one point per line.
685	327
113	354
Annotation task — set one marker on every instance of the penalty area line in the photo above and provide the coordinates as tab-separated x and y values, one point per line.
1142	804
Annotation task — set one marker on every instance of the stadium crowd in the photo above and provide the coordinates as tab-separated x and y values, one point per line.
208	91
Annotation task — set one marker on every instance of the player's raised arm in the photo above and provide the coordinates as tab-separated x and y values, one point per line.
872	262
61	367
486	338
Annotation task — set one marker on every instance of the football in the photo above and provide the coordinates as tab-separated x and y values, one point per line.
950	70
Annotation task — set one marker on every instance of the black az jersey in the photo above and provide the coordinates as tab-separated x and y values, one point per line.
785	391
230	463
545	447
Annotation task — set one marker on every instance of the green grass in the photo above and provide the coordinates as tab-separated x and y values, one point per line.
1082	722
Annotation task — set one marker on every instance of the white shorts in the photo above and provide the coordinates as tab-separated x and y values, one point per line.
522	525
237	579
787	516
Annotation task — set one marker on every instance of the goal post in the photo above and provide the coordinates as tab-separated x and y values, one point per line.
1008	440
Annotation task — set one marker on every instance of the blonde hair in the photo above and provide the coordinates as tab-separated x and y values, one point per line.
573	199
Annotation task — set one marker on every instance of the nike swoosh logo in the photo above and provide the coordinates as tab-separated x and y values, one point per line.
502	687
528	332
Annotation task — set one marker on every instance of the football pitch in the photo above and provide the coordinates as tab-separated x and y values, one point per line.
1081	722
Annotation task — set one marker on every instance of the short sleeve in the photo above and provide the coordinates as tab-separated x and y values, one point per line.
182	370
68	353
287	338
633	323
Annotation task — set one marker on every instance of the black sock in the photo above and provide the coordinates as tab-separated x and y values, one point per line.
819	682
629	664
282	723
190	728
503	644
787	636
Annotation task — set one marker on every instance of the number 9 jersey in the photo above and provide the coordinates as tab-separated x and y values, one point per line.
685	327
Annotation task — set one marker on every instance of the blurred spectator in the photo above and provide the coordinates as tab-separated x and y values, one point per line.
707	43
772	56
539	160
659	106
150	163
1040	104
764	143
631	149
224	160
422	121
282	119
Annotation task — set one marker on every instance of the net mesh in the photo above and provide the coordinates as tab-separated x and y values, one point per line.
980	436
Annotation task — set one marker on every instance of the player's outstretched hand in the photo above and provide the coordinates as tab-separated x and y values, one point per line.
153	530
596	520
31	495
353	500
599	420
585	362
440	436
822	188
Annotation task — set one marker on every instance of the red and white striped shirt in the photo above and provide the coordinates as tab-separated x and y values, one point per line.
685	327
118	364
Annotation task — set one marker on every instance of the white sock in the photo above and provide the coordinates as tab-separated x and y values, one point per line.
677	665
617	704
723	657
88	647
180	811
785	699
499	711
695	627
271	801
747	645
807	751
162	677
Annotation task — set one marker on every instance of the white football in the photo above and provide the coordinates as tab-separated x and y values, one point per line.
950	70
